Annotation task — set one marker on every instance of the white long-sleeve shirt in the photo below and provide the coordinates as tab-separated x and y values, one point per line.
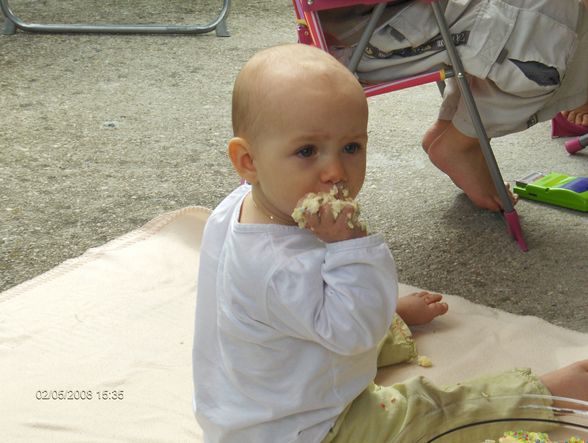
286	327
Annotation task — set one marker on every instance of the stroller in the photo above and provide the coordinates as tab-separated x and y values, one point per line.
310	31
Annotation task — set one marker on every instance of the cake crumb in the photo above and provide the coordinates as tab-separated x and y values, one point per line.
424	361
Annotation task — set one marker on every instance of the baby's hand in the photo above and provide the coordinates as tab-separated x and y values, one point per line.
330	229
330	218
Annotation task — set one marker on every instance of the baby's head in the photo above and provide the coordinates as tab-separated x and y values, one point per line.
272	76
300	125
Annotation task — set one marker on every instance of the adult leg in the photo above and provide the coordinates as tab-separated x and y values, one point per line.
433	133
460	157
451	96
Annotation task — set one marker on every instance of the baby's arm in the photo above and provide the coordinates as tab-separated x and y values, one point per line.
342	296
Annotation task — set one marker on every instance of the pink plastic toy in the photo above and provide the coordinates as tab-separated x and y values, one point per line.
561	127
577	144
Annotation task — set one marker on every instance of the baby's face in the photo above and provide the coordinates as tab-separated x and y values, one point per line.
311	139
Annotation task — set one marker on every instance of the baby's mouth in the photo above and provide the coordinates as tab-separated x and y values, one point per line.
340	191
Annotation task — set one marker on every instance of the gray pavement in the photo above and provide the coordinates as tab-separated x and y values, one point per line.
101	133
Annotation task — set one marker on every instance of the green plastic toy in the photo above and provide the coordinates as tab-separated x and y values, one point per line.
556	189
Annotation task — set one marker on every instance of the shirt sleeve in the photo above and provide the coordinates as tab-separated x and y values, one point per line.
342	297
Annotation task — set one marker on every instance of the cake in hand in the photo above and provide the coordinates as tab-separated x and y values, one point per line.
337	199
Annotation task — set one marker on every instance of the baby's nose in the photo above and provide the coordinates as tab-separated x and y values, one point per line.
333	172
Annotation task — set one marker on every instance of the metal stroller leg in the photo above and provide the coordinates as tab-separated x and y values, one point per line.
218	24
510	215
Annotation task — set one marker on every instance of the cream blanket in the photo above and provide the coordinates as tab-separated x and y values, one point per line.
116	325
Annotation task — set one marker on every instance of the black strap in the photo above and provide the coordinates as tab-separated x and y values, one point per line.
435	45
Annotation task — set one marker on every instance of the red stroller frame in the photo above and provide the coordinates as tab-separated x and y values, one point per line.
310	32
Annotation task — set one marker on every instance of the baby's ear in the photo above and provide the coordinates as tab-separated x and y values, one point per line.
242	158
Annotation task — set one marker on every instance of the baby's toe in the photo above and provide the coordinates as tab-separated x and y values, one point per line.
439	308
433	298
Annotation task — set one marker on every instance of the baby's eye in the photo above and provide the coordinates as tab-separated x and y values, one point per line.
351	148
306	151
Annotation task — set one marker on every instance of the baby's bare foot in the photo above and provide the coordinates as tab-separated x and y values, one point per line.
570	381
420	308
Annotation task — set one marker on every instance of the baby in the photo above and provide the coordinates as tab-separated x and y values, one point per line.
291	324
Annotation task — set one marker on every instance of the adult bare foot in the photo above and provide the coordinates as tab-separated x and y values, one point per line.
461	158
578	116
570	381
420	308
433	133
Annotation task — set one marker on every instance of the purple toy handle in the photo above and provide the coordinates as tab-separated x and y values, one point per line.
577	144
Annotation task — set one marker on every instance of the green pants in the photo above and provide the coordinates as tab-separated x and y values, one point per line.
416	410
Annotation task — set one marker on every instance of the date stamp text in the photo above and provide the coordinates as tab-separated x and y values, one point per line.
80	394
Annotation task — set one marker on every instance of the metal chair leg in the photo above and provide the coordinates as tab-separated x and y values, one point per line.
219	24
510	214
9	27
222	29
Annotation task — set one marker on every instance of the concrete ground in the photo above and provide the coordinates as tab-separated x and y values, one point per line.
101	133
